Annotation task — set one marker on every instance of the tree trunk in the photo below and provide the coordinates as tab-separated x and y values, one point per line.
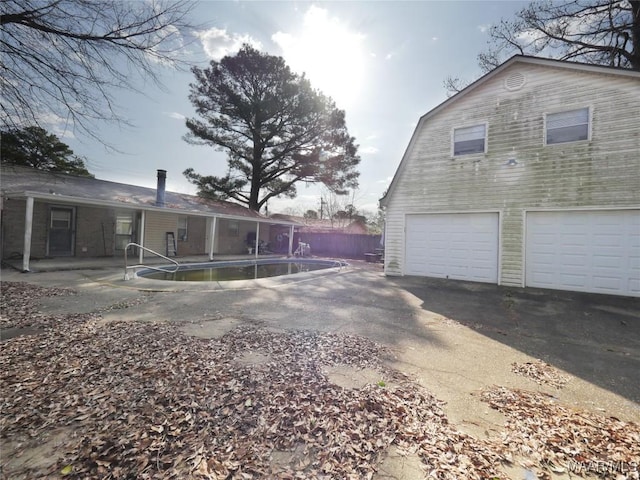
254	204
635	34
256	167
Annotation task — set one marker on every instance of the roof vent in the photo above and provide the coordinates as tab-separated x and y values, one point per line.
515	81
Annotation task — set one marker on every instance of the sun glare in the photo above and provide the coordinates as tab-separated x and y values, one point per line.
331	55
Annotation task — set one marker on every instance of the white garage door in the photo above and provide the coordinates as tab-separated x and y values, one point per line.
461	246
592	251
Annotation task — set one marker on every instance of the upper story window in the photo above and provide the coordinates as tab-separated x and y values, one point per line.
182	229
569	126
469	140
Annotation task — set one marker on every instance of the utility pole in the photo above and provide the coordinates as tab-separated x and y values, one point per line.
322	204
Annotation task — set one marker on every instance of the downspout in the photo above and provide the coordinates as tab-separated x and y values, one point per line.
213	232
141	242
28	229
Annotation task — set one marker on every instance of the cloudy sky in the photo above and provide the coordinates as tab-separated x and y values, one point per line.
382	62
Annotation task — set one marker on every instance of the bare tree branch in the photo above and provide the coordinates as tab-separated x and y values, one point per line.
64	60
600	32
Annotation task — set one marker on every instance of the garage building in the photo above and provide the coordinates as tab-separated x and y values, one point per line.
529	177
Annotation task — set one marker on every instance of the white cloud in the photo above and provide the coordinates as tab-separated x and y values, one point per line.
484	28
370	150
435	39
176	115
530	36
169	46
56	124
217	42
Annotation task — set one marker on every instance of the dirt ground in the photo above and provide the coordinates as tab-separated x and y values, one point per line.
450	379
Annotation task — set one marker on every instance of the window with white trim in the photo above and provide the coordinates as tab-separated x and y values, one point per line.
182	229
234	229
569	126
124	230
469	140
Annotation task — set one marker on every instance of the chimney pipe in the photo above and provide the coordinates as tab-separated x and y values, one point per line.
162	179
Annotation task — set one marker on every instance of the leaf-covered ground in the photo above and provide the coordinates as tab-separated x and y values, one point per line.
143	400
563	439
540	372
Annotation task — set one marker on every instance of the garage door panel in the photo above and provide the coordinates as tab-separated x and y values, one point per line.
589	251
478	274
573	260
543	237
607	261
575	280
459	271
608	240
609	283
456	246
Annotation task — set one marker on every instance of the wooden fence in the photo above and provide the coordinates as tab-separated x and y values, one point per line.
342	245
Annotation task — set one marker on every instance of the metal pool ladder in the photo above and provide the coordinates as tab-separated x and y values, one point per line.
128	267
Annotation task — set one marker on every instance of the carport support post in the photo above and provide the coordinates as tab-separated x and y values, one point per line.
141	251
257	237
290	240
212	237
28	228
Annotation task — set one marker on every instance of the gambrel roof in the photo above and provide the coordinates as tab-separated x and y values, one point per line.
510	63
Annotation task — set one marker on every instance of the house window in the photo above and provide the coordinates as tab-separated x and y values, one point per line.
61	219
124	230
469	140
569	126
234	229
60	240
182	229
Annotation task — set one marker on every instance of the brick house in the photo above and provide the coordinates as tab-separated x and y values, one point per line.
54	215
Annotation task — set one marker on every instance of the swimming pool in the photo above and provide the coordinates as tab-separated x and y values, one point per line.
239	270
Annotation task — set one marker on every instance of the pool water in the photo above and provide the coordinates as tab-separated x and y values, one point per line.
240	271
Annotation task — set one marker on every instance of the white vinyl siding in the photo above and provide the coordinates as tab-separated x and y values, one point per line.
569	126
584	251
469	140
157	226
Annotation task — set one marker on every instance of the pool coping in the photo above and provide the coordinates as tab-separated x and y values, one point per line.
153	285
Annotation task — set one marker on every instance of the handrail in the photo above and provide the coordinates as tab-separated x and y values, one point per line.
159	269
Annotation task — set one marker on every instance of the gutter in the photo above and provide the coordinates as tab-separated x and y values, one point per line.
57	198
